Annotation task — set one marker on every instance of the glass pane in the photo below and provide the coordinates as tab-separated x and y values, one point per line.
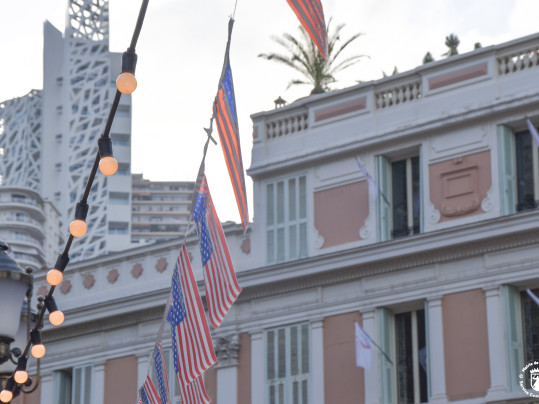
77	385
293	241
398	198
524	164
305	348
405	378
281	393
422	356
295	393
87	384
281	343
292	199
302	240
294	350
270	206
280	245
280	202
272	395
304	392
302	197
530	320
416	194
271	246
271	354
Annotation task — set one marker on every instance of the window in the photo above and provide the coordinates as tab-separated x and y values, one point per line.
405	360
399	212
286	219
288	363
73	386
518	169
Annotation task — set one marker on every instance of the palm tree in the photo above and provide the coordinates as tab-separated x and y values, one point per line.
303	56
452	42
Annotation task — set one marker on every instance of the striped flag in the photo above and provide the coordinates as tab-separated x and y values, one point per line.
191	339
363	348
148	393
222	287
194	392
311	16
161	374
224	112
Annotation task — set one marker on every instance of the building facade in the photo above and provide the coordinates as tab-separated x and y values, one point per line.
49	137
433	262
159	209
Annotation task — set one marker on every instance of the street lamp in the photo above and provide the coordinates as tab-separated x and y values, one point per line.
15	286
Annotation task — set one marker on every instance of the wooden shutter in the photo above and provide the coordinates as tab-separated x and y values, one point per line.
62	387
383	216
513	333
386	343
82	385
506	166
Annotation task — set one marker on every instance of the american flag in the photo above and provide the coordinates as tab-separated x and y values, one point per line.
161	374
224	111
191	339
222	288
200	213
148	393
194	392
311	16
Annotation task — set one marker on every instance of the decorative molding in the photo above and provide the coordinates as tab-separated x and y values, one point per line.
136	271
460	209
318	239
246	245
227	350
161	265
89	281
42	290
113	275
433	213
488	203
365	231
65	287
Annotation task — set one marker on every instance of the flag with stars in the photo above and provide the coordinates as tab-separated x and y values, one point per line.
311	16
200	215
194	392
224	112
177	309
161	375
148	393
222	287
192	343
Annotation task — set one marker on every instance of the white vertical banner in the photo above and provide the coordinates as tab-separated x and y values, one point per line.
363	348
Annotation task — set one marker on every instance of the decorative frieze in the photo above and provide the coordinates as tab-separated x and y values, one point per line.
227	350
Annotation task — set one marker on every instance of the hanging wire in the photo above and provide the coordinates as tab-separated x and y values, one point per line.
234	13
112	113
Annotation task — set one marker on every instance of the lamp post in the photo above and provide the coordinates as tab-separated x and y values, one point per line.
15	286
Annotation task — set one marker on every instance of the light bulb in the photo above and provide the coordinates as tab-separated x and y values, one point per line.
55	277
56	317
108	165
38	351
77	228
21	376
126	83
6	396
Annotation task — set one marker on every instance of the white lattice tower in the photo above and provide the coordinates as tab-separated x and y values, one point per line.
20	141
88	83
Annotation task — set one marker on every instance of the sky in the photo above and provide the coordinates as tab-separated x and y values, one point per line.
180	56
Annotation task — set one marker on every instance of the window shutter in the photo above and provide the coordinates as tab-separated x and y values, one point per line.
62	382
82	385
513	332
506	164
383	171
386	340
426	307
421	196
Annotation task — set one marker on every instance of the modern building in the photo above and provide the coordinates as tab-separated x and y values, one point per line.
49	137
159	209
433	262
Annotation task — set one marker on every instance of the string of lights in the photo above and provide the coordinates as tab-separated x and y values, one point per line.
126	83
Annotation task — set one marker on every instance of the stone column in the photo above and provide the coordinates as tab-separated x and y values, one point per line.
436	350
98	383
227	350
317	361
258	386
143	363
47	387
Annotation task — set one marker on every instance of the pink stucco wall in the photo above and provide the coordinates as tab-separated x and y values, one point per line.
343	381
244	370
467	372
458	186
340	212
210	383
121	380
